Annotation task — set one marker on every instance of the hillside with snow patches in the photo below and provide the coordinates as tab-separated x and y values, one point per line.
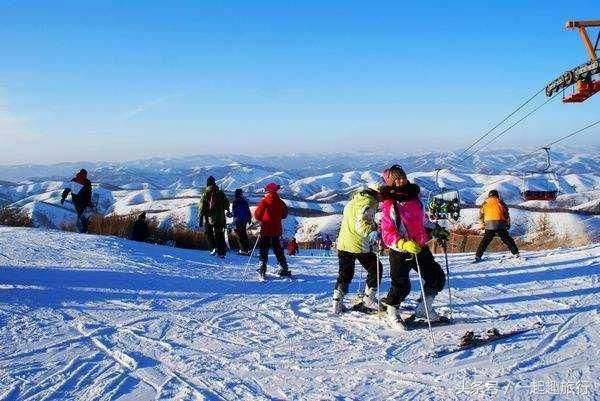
86	317
314	187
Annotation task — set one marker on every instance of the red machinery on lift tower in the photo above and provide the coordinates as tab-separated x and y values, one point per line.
583	76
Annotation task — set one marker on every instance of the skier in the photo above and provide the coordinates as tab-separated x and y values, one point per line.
213	206
139	229
495	219
270	212
357	240
241	218
292	247
80	189
326	245
404	233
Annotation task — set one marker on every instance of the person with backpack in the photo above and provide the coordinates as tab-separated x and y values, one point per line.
495	219
80	189
404	233
270	212
241	218
213	207
358	240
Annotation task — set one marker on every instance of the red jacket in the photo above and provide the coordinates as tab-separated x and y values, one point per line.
270	211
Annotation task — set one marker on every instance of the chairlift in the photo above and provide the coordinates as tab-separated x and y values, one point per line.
582	76
443	203
540	185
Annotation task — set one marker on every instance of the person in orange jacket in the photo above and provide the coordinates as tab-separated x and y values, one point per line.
495	219
292	247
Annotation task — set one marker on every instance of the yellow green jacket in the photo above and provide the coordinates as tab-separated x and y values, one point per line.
358	222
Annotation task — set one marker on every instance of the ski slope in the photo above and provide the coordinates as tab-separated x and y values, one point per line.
101	318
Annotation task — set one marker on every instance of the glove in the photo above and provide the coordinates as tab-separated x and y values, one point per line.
440	233
374	237
409	246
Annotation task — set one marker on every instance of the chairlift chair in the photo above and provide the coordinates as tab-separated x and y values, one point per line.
443	203
540	185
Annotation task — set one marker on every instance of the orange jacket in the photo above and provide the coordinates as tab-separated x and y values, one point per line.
493	209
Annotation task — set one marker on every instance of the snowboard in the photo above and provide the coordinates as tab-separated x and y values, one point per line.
470	340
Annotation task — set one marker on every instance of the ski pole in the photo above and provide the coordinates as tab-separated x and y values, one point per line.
378	284
424	302
251	255
445	248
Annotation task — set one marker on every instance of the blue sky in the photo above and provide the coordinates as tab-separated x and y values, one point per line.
114	81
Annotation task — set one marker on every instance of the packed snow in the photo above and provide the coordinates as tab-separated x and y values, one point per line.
85	317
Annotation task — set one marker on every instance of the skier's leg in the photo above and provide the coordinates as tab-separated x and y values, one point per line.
433	274
433	280
400	265
278	251
508	241
219	234
242	235
485	242
369	263
263	245
346	261
210	236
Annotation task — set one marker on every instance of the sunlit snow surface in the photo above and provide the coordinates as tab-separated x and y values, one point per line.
100	318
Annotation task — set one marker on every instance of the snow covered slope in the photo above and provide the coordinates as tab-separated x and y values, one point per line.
101	318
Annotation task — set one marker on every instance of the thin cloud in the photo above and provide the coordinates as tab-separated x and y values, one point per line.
149	105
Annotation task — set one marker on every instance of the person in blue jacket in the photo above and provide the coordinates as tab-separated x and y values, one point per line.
241	218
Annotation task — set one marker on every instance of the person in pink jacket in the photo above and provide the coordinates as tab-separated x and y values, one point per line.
403	231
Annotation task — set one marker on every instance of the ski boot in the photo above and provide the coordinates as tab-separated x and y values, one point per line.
467	339
477	259
214	251
337	305
421	312
393	319
262	270
284	272
369	299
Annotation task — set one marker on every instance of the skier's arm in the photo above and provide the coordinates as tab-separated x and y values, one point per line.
201	210
259	211
482	212
64	195
285	210
506	213
389	231
365	222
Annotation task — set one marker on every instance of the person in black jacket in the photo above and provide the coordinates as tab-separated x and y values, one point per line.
241	218
80	189
140	230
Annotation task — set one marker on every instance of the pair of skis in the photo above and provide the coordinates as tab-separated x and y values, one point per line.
469	340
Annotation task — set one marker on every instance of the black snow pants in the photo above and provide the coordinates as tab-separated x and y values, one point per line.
271	242
489	236
347	262
242	235
215	235
401	263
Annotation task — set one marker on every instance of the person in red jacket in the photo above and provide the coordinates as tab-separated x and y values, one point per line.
292	247
270	212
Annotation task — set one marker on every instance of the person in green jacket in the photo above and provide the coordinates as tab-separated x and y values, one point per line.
357	240
212	208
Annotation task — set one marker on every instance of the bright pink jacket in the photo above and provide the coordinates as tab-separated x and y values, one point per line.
403	220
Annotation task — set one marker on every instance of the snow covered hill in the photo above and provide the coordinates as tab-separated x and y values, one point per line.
169	189
101	318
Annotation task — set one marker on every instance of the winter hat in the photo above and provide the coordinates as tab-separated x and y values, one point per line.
393	173
82	172
493	193
239	192
210	181
272	187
